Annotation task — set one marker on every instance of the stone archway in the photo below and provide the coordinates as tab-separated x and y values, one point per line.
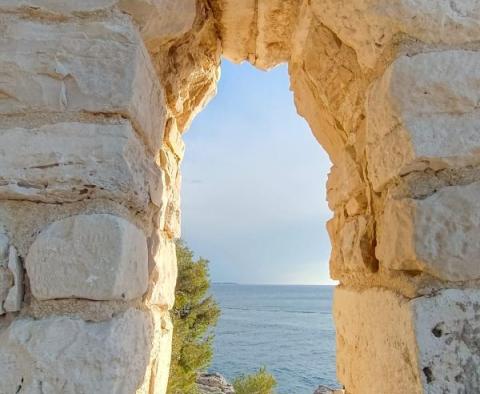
94	97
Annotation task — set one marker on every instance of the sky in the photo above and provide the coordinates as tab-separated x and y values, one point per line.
253	194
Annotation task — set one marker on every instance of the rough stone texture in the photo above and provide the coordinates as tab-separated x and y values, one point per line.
163	272
237	23
370	26
11	277
74	161
423	113
13	301
383	344
353	248
98	257
213	383
328	390
161	21
447	331
438	335
156	375
38	356
84	65
438	234
58	7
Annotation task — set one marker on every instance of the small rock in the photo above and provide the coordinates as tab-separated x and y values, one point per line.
328	390
213	383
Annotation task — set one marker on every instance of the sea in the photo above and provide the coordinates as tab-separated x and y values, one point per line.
287	329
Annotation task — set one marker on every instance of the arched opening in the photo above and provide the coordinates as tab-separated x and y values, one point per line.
254	204
94	98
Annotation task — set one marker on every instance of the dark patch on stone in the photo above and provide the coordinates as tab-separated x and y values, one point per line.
437	330
428	374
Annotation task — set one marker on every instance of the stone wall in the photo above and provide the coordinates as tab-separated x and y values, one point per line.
94	97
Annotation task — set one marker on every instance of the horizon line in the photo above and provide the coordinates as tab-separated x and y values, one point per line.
271	284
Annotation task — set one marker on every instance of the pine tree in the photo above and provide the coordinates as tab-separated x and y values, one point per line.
194	314
260	382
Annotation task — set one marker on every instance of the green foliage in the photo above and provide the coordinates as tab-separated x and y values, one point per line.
261	382
193	315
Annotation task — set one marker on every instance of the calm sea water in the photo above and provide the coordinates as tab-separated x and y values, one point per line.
288	329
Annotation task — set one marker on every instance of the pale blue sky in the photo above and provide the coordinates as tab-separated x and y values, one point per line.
254	178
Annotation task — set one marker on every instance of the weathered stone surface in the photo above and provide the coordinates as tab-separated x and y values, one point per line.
327	84
328	390
174	140
276	23
5	275
163	273
423	113
11	277
98	257
161	21
83	65
369	26
170	219
57	6
344	181
438	234
237	23
110	357
67	162
425	345
13	301
353	247
376	351
447	328
156	376
189	68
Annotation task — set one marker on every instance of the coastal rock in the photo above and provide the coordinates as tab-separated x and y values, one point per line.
328	390
213	383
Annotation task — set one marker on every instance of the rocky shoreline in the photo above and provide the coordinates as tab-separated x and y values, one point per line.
215	383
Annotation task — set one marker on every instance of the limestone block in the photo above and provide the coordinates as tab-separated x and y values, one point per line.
344	181
87	65
424	113
97	257
67	355
368	26
237	23
276	23
446	328
57	6
13	301
174	140
11	277
437	235
156	378
163	274
389	344
327	84
67	162
161	21
352	245
173	219
376	350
